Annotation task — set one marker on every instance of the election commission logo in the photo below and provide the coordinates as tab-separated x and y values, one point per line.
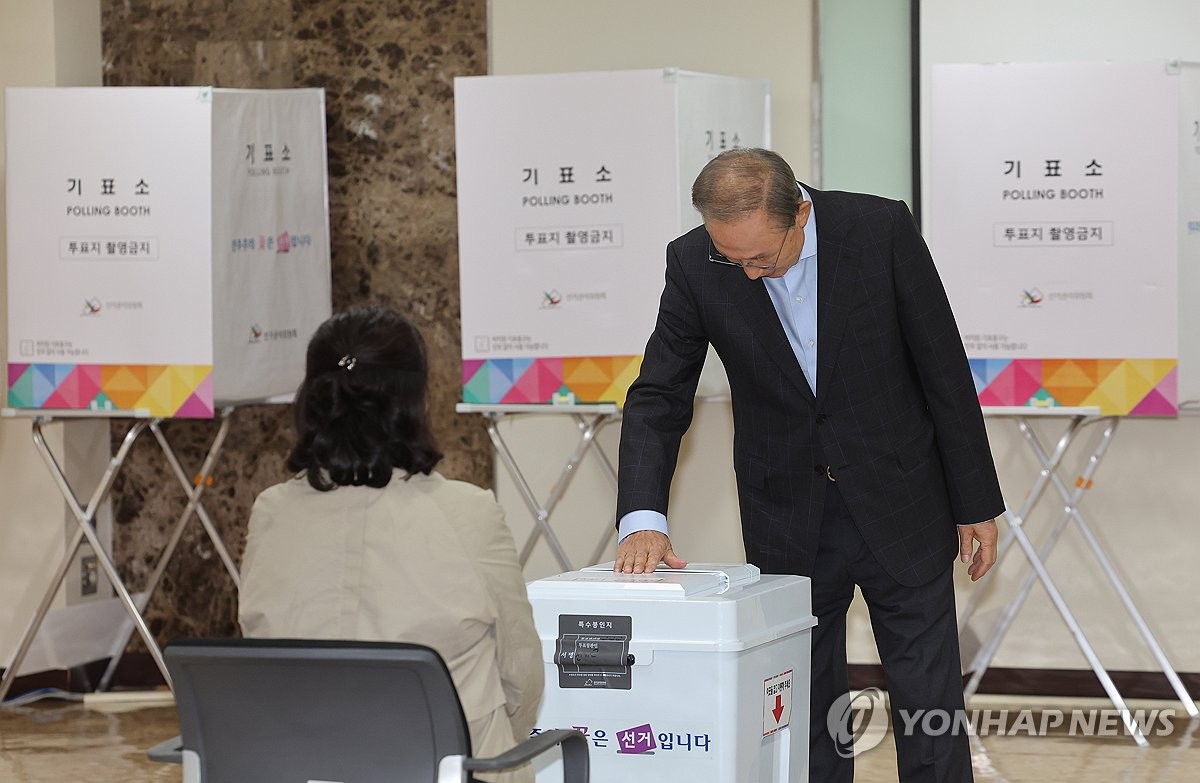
1032	297
857	722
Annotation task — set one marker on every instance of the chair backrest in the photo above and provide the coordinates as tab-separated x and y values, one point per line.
275	710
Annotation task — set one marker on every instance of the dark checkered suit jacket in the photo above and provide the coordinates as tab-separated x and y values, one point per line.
896	415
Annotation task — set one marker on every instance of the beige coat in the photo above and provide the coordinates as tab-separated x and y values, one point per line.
423	560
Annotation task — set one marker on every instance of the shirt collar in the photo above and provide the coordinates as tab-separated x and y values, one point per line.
810	228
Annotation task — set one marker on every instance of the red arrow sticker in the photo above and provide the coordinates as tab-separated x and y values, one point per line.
777	702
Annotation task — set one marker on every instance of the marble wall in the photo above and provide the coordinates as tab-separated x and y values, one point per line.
388	70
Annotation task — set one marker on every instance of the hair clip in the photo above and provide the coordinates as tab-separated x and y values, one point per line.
347	361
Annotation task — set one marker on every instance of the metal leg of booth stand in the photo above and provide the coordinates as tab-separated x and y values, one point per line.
983	659
1071	512
1068	618
39	615
84	518
541	512
1118	584
194	490
588	429
1035	494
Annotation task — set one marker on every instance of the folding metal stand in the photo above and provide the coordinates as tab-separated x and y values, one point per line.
1051	463
590	418
85	519
193	488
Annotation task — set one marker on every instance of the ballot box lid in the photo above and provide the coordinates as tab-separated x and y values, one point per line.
665	583
716	606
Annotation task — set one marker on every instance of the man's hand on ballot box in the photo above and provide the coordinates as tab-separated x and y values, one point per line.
641	552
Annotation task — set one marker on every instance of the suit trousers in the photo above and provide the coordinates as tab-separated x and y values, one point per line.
916	633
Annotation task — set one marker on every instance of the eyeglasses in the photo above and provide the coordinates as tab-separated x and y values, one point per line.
717	258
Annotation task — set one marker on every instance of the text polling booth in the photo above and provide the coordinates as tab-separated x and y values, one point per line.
168	257
569	187
1055	222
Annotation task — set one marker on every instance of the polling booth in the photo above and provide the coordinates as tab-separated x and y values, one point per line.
168	257
1058	238
680	675
570	185
168	247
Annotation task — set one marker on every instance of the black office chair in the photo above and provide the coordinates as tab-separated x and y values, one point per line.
276	710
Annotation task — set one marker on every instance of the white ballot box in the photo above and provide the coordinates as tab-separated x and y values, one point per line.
168	247
699	674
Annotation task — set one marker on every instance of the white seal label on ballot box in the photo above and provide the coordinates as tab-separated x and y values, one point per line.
665	672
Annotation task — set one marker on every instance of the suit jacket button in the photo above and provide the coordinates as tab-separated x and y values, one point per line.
821	417
819	470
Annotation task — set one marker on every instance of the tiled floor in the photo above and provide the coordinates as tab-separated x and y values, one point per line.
1025	759
59	741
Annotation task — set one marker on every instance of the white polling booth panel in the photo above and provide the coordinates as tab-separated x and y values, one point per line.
569	187
271	263
168	247
699	674
1049	248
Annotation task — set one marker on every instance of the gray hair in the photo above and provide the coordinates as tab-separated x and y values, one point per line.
739	182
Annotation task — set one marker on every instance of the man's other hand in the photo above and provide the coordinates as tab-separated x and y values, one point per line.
985	556
641	552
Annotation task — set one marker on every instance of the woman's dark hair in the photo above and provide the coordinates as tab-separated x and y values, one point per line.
361	410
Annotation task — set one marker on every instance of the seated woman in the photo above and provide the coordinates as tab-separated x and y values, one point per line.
369	542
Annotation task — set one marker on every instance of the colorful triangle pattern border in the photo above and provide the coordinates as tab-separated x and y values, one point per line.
570	379
1119	387
162	390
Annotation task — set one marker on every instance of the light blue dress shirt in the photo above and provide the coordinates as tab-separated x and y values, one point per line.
795	298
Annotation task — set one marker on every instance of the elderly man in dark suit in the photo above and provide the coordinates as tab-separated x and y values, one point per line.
859	443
